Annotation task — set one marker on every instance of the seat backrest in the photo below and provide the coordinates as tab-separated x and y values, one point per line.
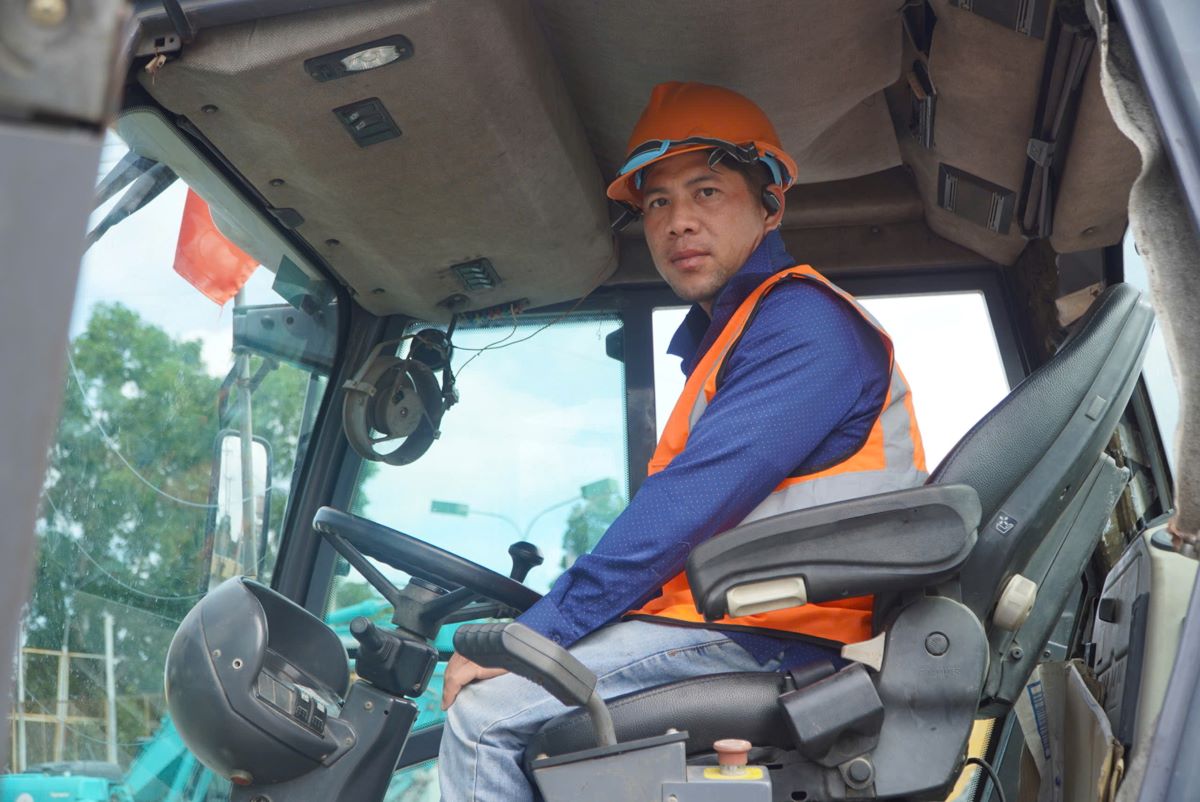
1029	456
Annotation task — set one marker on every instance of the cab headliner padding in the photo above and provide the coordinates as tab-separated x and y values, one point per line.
514	113
492	161
816	69
1100	169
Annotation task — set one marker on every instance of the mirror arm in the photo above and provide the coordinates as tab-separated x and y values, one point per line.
266	367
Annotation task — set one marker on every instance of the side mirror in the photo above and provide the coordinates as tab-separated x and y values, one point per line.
239	511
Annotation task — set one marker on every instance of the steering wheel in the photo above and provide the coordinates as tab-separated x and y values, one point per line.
462	580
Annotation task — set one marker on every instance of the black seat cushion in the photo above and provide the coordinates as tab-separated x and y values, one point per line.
734	705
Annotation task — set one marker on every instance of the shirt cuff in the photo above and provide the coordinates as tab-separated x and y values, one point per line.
546	619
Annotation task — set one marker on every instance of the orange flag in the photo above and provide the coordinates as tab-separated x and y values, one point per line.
205	258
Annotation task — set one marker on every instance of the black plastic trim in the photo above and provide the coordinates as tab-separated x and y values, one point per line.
298	573
1134	667
608	751
1172	772
423	744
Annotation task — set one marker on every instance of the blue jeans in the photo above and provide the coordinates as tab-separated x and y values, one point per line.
491	721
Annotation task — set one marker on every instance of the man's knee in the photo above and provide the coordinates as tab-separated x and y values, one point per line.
496	710
472	713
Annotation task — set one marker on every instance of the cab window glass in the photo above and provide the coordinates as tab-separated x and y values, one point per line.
143	506
534	450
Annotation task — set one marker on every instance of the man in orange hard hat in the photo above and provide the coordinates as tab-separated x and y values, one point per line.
792	400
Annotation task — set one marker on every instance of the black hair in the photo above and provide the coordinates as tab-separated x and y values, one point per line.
757	176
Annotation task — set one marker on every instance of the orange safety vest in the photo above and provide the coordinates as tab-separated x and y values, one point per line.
891	458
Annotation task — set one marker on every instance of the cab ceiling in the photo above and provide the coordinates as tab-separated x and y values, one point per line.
513	115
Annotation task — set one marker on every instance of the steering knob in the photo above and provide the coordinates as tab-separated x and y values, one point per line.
525	556
365	633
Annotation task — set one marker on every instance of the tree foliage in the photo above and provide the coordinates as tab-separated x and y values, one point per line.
589	519
126	508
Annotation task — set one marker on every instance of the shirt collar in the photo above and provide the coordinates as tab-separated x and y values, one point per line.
697	332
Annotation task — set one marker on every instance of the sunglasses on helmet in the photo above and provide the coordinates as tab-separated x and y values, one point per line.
743	154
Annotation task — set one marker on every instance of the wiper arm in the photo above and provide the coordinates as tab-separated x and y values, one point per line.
148	185
130	166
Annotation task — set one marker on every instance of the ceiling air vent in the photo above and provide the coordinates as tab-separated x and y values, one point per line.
923	104
477	274
367	121
1023	16
979	201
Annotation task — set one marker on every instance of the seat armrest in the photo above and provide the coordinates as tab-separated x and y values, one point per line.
908	539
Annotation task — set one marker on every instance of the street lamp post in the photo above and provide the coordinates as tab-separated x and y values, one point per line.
463	510
601	487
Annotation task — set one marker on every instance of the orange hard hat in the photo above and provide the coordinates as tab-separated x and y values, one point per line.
684	117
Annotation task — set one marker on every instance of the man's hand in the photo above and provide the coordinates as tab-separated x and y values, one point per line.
461	672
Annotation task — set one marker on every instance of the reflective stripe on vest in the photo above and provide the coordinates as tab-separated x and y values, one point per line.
890	458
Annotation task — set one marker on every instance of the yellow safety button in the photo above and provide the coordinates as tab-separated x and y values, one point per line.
750	773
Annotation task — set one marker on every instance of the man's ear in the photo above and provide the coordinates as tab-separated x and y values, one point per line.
773	204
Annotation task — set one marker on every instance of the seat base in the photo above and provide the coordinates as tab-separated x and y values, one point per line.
734	705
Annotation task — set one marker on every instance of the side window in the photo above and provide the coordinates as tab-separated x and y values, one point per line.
143	502
944	344
535	450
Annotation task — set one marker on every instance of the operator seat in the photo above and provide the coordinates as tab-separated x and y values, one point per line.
1045	490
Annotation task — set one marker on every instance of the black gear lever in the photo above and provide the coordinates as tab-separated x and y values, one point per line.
525	556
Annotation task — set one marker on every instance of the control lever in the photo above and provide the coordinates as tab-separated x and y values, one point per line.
525	556
395	664
527	654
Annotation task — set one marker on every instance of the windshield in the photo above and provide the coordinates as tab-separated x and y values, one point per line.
534	451
144	504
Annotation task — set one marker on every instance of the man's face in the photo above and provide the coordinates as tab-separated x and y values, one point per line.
701	224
